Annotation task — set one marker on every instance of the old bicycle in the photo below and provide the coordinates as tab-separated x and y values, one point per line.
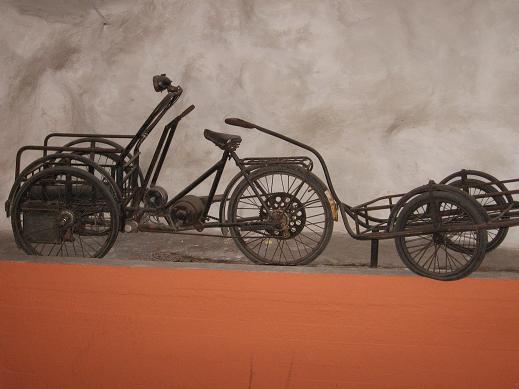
77	197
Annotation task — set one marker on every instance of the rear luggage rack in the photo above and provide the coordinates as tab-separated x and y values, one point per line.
304	162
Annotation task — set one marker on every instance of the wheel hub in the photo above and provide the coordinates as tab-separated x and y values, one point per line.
286	213
66	219
439	237
66	222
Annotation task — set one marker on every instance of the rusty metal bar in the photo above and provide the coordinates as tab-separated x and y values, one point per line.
374	252
57	148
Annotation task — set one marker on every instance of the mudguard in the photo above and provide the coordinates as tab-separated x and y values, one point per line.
492	180
426	188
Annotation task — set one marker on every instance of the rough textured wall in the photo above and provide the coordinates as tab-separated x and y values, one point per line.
392	92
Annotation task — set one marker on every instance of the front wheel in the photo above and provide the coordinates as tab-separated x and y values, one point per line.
285	216
441	255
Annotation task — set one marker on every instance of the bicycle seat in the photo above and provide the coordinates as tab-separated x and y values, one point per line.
226	142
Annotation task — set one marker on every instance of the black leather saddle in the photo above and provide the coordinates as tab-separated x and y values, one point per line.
226	142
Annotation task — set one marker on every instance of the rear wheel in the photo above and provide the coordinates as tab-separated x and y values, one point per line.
67	212
295	212
441	255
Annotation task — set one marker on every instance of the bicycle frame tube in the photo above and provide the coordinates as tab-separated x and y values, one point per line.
162	149
150	123
218	167
172	128
240	165
135	143
161	152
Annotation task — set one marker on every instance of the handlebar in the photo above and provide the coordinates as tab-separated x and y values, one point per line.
239	123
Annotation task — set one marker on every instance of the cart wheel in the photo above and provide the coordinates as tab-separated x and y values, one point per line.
432	254
294	204
477	187
64	211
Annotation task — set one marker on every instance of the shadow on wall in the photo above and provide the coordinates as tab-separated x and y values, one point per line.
393	93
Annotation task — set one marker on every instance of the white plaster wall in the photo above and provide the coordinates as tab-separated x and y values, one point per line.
393	92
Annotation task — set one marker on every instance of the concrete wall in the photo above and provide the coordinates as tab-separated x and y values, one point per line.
392	92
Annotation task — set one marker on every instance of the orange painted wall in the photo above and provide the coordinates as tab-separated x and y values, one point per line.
86	326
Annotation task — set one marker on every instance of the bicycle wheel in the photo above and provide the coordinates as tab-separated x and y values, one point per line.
432	254
64	211
295	210
498	201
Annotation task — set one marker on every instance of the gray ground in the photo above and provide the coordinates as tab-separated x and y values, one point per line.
343	254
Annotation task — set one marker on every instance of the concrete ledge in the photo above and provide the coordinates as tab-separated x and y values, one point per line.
323	269
343	256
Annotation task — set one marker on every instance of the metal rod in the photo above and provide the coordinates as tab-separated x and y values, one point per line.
216	181
150	123
194	184
172	126
56	148
83	135
374	253
155	157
